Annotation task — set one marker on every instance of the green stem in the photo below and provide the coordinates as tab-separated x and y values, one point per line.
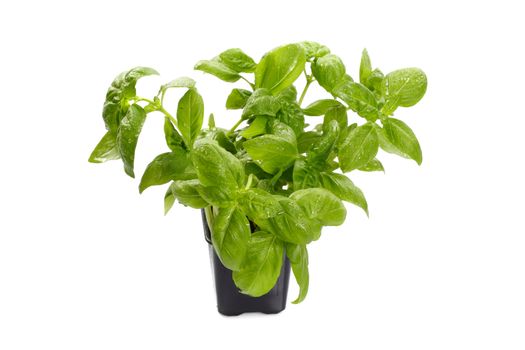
276	177
246	80
160	108
308	82
234	127
249	183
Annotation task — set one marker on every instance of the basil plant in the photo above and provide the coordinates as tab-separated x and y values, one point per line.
272	181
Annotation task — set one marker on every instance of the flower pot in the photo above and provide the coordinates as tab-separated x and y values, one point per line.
230	301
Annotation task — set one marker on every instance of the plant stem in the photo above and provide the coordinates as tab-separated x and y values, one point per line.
160	108
309	80
246	80
249	183
234	127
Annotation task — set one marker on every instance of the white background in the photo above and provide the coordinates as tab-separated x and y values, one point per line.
87	263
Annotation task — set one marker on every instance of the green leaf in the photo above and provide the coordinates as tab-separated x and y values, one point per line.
374	80
321	205
279	68
344	188
321	149
217	68
256	128
320	107
359	147
403	87
182	82
211	121
217	167
292	115
365	68
314	50
304	175
106	149
328	70
128	135
230	235
373	165
259	274
292	223
172	136
306	140
237	98
190	114
258	204
185	191
338	114
359	99
403	138
237	60
289	94
261	102
169	200
121	90
272	153
218	196
298	256
166	167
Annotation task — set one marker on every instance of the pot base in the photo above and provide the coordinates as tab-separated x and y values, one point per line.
230	301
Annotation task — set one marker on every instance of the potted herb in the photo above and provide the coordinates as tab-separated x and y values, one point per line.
267	185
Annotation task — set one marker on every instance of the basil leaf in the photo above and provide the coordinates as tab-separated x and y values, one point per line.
344	188
256	128
237	99
121	90
403	87
373	165
365	68
320	107
165	167
190	114
258	204
217	167
403	138
321	205
328	70
186	193
374	80
182	82
292	115
304	175
106	149
259	274
217	68
289	94
237	60
314	50
211	121
338	114
359	147
298	256
359	99
230	236
322	148
272	153
169	200
172	136
217	196
279	68
128	134
292	224
306	140
261	102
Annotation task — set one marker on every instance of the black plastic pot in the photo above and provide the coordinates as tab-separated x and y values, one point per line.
230	301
